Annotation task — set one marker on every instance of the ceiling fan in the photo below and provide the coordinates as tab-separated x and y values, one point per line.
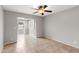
42	9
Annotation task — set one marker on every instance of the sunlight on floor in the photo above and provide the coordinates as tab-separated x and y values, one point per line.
25	43
21	43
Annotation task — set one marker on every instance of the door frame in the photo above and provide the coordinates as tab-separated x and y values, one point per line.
25	19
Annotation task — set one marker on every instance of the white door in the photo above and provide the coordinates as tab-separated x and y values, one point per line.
32	28
21	27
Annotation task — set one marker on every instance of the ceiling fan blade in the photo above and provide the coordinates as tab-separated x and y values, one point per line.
34	9
35	12
45	6
48	11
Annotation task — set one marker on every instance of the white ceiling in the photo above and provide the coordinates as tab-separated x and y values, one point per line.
28	9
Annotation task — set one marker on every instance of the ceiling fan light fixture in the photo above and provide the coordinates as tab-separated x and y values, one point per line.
42	9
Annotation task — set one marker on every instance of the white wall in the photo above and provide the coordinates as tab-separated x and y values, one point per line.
63	27
10	25
1	28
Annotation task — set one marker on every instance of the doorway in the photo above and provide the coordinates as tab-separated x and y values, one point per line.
26	33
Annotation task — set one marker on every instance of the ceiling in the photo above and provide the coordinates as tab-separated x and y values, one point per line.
29	9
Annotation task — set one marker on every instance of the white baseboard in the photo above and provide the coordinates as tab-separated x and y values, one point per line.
8	43
52	38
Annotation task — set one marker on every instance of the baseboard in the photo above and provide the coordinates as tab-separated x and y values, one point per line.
41	37
50	38
9	43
